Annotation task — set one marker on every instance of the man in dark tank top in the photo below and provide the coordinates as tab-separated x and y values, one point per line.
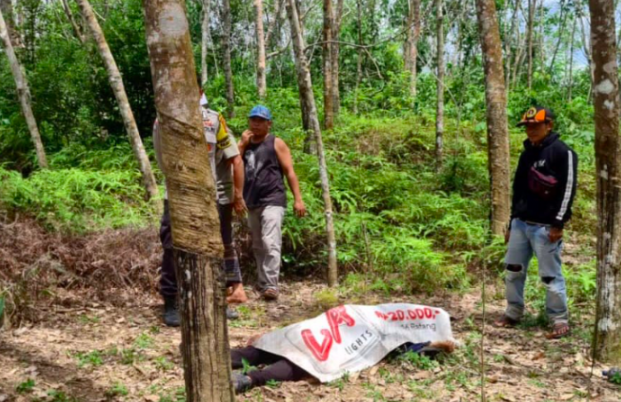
267	161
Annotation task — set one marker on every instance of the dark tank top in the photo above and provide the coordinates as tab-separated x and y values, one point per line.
264	183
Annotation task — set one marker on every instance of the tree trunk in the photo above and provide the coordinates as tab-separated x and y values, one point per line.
411	46
116	82
76	28
23	92
529	40
570	77
197	243
496	111
607	340
358	53
204	41
560	31
440	83
336	50
261	81
306	90
514	30
226	48
328	98
6	6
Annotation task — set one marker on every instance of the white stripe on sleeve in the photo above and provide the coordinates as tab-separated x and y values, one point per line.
568	187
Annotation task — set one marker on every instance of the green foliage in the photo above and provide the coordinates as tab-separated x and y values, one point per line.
26	386
93	358
118	389
75	200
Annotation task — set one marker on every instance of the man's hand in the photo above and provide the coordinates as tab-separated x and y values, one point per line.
299	208
555	234
246	137
239	205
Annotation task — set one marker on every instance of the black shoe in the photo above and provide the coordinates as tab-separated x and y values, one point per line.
231	314
171	312
241	383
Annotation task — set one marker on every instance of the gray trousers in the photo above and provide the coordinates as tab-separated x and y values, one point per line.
266	228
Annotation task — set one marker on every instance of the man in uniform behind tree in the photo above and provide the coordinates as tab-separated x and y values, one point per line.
267	160
543	192
228	171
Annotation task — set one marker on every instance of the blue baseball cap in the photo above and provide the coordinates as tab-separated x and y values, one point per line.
260	111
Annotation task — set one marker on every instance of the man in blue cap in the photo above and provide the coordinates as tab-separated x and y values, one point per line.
267	162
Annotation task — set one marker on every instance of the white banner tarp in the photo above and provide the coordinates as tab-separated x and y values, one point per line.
351	338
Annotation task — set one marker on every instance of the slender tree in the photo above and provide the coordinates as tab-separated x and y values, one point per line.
197	245
532	6
336	50
496	101
261	81
76	28
607	340
328	53
306	89
570	74
358	53
411	43
205	34
226	49
6	6
440	82
23	93
116	83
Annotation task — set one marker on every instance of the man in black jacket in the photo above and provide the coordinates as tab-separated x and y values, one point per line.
543	192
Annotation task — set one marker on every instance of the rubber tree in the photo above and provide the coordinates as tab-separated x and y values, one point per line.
116	83
23	93
261	63
306	89
411	42
607	340
197	245
227	26
496	114
328	53
204	40
439	83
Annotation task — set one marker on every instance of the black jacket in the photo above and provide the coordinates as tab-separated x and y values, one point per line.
545	182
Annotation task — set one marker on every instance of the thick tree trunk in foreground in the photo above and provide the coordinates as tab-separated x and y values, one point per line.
116	82
23	92
439	83
192	196
261	81
328	98
226	48
607	340
204	41
411	44
496	101
306	90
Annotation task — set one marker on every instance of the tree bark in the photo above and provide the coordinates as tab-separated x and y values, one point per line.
440	83
226	48
23	93
76	28
116	83
328	98
306	89
197	243
532	4
514	30
570	77
204	41
561	30
336	50
411	46
6	6
496	111
358	53
607	340
261	81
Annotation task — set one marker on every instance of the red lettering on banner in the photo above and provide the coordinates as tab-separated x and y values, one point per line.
321	352
336	317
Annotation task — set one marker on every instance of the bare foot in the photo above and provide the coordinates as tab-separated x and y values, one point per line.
237	294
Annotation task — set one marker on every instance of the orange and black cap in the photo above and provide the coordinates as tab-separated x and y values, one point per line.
535	115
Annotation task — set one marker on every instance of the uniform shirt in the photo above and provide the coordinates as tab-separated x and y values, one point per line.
221	146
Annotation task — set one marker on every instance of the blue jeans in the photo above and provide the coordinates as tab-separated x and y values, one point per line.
525	239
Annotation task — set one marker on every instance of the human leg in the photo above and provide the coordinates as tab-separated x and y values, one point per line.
519	253
271	238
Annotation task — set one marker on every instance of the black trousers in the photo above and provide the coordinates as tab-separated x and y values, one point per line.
230	265
278	369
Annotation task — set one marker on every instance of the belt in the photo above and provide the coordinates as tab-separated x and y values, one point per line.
537	223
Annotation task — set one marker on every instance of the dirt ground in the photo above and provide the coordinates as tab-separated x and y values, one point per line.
105	353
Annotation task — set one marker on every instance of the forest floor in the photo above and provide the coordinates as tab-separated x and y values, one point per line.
104	353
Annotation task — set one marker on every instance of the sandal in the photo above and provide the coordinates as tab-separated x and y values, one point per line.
506	322
559	330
